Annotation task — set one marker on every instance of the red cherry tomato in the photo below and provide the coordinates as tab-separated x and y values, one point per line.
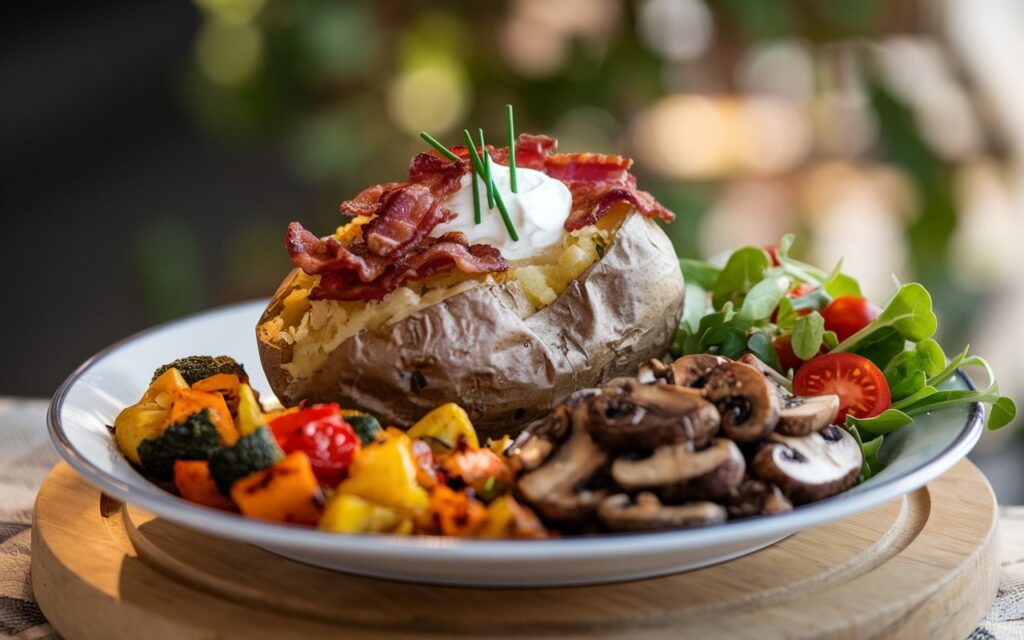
283	426
846	315
787	357
860	385
323	435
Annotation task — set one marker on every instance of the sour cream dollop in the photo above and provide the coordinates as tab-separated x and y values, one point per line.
539	212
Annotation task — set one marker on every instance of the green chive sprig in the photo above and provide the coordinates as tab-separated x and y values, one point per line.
487	168
445	151
511	148
507	219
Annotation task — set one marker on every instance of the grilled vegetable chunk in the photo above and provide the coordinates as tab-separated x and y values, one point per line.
366	426
284	492
250	454
196	368
195	484
195	438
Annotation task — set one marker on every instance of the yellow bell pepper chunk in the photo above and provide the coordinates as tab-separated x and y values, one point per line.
161	391
143	421
446	424
384	473
351	514
250	413
147	418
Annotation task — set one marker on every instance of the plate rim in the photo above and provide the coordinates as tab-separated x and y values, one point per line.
235	526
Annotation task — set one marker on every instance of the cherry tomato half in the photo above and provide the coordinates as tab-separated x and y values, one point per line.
846	315
323	435
860	385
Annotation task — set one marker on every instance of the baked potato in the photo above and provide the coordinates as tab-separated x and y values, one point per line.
489	347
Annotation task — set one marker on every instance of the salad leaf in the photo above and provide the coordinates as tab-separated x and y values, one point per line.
887	422
840	284
761	346
909	312
763	297
808	334
699	272
908	372
1004	410
870	451
799	270
695	305
880	347
744	269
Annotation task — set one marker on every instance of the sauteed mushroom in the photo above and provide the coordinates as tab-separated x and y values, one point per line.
682	473
746	399
647	513
693	370
655	370
801	415
753	498
557	488
628	415
810	467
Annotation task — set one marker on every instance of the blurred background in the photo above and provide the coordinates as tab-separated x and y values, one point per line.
152	153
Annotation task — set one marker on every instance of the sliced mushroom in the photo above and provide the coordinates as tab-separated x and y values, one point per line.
655	370
748	402
557	489
536	442
693	370
754	498
631	416
801	415
811	467
619	513
682	473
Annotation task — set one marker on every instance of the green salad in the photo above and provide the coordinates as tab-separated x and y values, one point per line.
817	329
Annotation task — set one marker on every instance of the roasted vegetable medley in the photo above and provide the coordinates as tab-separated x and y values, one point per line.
201	431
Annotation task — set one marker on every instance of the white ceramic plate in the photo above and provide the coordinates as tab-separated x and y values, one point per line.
93	395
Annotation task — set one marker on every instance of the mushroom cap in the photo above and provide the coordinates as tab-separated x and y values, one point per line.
747	400
556	488
619	513
682	473
754	498
692	370
636	417
812	467
801	415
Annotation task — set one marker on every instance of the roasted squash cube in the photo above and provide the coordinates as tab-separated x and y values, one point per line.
195	484
284	492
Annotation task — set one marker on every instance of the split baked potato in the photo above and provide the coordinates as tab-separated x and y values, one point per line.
507	347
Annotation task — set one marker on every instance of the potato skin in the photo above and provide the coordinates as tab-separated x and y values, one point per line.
486	350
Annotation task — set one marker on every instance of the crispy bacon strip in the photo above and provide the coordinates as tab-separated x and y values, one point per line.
442	176
367	203
407	215
319	256
590	167
591	201
442	254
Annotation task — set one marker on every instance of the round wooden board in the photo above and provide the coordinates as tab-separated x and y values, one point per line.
923	566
